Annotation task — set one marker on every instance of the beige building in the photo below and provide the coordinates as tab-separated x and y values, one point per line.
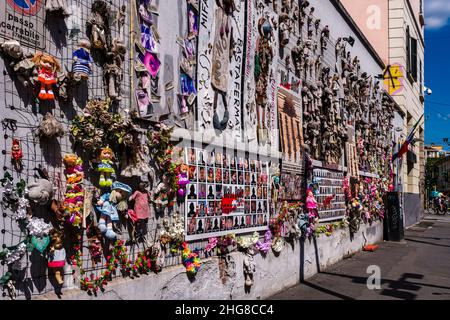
395	29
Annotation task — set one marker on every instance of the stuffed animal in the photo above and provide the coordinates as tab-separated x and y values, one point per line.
311	203
22	64
82	61
57	6
50	127
105	167
141	211
57	256
13	49
47	67
182	180
97	26
109	205
74	169
40	191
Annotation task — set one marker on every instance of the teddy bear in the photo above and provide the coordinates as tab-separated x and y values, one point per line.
40	191
74	168
47	67
109	205
57	256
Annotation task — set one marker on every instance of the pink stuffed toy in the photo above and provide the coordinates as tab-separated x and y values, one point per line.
183	180
311	203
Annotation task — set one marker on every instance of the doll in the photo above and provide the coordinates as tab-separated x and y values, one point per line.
57	256
74	169
311	203
47	67
17	155
141	209
160	196
57	6
105	167
82	61
182	180
95	245
109	205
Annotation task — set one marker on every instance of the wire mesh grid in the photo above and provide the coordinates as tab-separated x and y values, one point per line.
21	104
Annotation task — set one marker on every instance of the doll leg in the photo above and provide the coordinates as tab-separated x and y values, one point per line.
50	95
102	180
108	182
102	224
59	275
42	93
110	234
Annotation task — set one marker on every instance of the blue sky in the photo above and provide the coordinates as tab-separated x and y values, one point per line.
437	70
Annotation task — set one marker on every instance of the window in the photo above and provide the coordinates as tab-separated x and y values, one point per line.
411	56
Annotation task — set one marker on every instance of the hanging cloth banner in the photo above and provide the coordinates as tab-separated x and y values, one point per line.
220	66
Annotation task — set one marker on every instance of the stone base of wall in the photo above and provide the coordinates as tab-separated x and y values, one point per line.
300	260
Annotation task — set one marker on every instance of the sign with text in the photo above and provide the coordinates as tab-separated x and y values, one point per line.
23	20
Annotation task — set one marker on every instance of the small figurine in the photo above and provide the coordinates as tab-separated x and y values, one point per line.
47	67
17	155
57	256
82	61
105	167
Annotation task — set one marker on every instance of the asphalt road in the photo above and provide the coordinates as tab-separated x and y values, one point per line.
416	269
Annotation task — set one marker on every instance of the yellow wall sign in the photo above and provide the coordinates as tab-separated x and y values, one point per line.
393	78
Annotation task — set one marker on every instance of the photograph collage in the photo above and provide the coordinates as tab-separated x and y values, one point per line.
225	193
330	194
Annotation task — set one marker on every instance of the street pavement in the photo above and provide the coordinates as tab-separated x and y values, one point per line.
416	269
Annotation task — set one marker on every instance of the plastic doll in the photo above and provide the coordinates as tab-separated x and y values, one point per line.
57	256
16	154
105	167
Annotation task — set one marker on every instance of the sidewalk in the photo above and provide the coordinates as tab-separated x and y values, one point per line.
417	269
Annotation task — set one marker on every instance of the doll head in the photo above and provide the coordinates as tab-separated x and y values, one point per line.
85	44
106	154
119	195
56	239
46	61
142	186
71	160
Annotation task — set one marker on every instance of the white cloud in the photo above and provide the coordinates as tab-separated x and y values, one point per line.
437	13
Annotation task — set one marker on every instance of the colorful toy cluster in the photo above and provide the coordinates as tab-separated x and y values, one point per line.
191	261
74	196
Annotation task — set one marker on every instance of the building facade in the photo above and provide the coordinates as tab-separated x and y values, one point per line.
399	25
217	120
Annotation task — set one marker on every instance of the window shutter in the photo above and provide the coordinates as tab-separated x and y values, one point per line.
414	58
